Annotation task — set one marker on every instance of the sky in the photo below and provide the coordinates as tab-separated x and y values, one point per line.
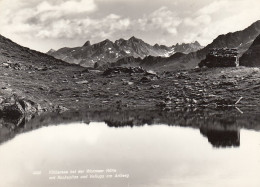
46	24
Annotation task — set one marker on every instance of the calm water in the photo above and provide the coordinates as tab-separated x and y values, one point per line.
94	154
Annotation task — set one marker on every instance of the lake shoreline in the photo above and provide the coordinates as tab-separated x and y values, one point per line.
78	88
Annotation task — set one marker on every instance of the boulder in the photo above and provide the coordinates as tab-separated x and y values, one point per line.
82	82
60	109
28	106
221	57
13	110
146	79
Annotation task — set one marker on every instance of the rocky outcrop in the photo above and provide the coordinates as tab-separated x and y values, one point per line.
87	44
14	108
15	112
251	57
222	57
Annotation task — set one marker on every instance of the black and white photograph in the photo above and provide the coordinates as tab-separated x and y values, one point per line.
129	93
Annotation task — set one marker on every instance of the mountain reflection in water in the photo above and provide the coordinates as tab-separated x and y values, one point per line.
221	127
222	138
134	148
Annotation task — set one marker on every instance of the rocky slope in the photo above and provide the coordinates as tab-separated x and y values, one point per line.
252	56
24	73
107	51
14	52
240	39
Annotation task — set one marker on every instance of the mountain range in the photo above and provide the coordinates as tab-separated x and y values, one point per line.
135	51
108	52
240	40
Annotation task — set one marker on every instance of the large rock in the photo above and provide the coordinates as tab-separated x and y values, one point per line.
223	57
14	111
251	57
28	107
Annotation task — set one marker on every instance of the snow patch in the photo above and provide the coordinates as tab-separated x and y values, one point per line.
169	53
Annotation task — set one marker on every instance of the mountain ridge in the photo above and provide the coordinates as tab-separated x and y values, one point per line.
252	56
107	51
10	50
241	40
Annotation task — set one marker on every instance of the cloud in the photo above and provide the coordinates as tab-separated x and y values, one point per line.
85	27
220	17
72	19
198	21
161	19
215	7
18	16
67	7
71	22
